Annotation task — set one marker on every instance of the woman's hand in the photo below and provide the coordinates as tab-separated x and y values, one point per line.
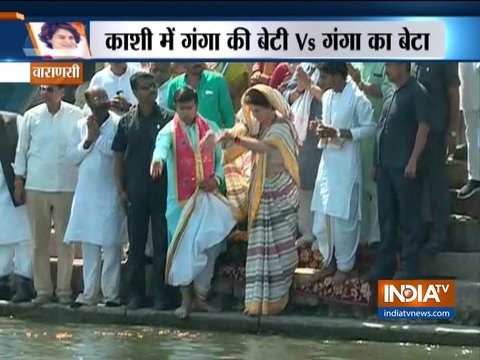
209	140
225	137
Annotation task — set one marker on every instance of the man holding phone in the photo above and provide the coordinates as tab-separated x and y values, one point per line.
115	79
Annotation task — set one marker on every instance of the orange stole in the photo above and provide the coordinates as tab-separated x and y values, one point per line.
192	164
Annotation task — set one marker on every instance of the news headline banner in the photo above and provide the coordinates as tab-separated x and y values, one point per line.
268	39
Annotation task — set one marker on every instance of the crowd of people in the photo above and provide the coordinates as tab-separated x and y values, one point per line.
331	155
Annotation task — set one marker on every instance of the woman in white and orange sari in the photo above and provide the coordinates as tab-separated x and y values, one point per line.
271	200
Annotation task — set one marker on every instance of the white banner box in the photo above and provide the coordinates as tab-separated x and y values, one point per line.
396	40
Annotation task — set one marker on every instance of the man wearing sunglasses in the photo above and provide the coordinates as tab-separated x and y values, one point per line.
46	181
143	198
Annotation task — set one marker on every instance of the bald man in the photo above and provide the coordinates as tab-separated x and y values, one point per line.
97	220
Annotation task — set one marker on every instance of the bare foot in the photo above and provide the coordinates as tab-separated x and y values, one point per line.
204	306
329	271
182	312
247	313
339	278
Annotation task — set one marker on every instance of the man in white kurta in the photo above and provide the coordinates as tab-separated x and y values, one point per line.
15	236
97	219
48	180
115	79
347	119
470	104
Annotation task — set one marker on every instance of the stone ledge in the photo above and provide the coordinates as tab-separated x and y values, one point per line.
463	234
467	293
467	302
457	265
290	325
457	173
469	207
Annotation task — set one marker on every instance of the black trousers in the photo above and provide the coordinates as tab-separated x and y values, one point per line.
143	209
436	189
400	211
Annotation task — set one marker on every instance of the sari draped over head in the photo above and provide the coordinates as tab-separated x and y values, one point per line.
238	161
273	198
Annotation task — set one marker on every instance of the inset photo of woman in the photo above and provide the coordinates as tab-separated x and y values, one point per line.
59	40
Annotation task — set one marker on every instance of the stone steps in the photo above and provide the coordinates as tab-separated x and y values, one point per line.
467	296
467	291
469	207
467	301
457	173
463	234
452	265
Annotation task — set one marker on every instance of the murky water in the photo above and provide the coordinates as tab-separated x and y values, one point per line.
29	341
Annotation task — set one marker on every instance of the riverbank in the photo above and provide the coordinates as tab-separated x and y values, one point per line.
315	327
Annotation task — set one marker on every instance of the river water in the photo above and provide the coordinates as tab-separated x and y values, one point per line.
35	341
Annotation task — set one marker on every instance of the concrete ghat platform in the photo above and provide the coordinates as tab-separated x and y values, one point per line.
324	328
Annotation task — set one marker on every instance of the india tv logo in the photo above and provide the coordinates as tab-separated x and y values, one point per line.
416	299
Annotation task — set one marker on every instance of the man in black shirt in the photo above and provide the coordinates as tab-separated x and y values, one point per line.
143	198
401	139
442	82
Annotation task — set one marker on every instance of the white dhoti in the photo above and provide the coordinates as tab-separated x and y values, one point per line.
205	222
339	236
338	190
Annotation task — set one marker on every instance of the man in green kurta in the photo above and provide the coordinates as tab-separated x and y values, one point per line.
214	101
372	80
